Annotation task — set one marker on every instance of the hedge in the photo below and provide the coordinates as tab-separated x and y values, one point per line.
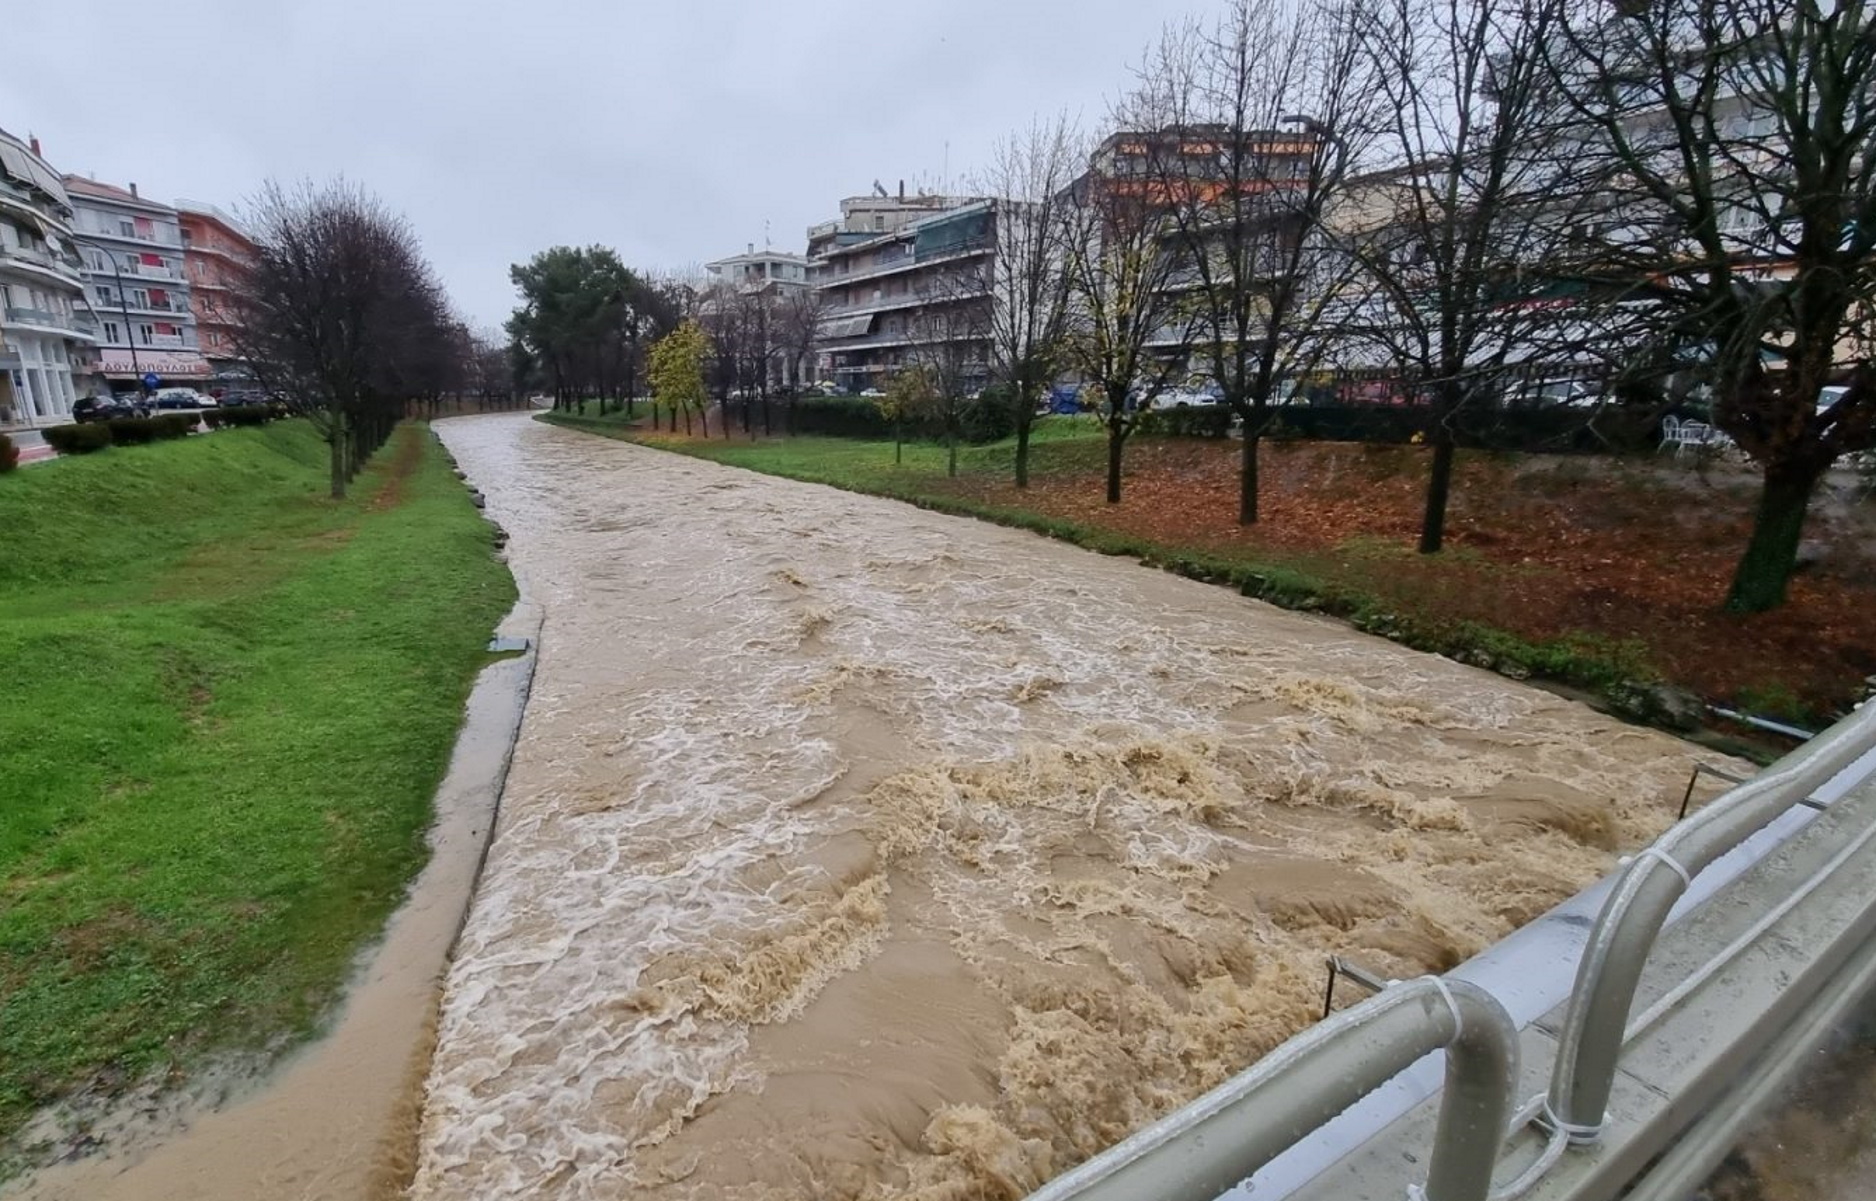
135	431
1552	429
986	418
78	439
1212	421
9	455
241	415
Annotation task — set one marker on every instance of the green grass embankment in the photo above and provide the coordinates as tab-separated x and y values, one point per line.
229	701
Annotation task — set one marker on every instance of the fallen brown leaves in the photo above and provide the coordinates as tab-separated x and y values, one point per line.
1538	546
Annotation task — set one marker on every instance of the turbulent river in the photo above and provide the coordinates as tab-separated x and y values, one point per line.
853	851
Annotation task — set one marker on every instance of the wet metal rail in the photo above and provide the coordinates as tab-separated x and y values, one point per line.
1743	992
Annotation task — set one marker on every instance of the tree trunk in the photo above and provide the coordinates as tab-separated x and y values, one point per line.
1439	488
951	449
1777	528
686	422
1115	438
768	427
898	443
336	438
1247	477
1022	454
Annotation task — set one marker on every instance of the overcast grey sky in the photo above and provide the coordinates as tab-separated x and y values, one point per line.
672	131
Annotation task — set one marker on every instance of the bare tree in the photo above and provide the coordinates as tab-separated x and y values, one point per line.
1271	115
340	310
1740	224
1028	177
949	336
1126	331
1454	241
798	332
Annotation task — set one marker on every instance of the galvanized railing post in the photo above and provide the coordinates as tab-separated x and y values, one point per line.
1609	972
1199	1151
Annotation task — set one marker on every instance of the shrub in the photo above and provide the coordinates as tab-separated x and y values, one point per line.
135	431
247	415
174	425
1210	422
213	418
9	455
984	419
79	439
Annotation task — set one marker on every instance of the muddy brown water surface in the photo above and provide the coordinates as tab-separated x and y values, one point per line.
853	851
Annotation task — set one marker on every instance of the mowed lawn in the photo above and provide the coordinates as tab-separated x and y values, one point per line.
228	702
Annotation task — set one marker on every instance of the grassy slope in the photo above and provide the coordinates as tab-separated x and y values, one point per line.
229	702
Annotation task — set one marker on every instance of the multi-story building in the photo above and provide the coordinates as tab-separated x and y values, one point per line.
864	217
133	255
215	253
920	294
767	269
748	310
46	335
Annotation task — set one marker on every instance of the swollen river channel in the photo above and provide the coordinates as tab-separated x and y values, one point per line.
854	851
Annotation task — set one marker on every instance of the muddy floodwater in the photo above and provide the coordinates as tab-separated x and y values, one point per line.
853	851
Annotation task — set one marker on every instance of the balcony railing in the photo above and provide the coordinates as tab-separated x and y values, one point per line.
166	341
20	315
146	271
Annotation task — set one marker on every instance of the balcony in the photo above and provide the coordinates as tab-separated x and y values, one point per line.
39	262
41	319
145	271
167	342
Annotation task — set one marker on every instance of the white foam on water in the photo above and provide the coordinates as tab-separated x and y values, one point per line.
791	748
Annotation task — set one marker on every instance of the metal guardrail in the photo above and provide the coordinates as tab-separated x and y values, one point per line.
1199	1151
1610	970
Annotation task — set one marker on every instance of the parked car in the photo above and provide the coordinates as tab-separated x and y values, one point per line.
104	408
182	398
872	393
240	400
1186	398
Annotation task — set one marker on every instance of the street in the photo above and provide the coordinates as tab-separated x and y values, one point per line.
852	849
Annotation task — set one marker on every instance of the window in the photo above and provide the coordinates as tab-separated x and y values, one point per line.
104	294
127	229
146	229
165	330
145	334
112	333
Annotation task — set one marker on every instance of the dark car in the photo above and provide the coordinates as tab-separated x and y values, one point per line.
105	408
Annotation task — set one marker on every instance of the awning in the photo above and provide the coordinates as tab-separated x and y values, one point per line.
162	363
847	327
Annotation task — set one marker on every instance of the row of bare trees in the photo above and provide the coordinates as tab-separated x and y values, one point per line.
340	311
1671	196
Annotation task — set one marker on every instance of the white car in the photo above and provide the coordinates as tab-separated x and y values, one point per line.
1185	398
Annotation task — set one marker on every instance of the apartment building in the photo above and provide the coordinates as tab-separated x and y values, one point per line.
133	257
755	270
920	293
46	334
215	253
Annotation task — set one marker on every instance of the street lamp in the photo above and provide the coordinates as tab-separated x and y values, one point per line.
123	305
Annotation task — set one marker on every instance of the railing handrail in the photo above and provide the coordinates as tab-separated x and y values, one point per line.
1609	972
1202	1149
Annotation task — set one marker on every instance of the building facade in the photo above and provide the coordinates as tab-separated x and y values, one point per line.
134	277
215	254
46	334
918	295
